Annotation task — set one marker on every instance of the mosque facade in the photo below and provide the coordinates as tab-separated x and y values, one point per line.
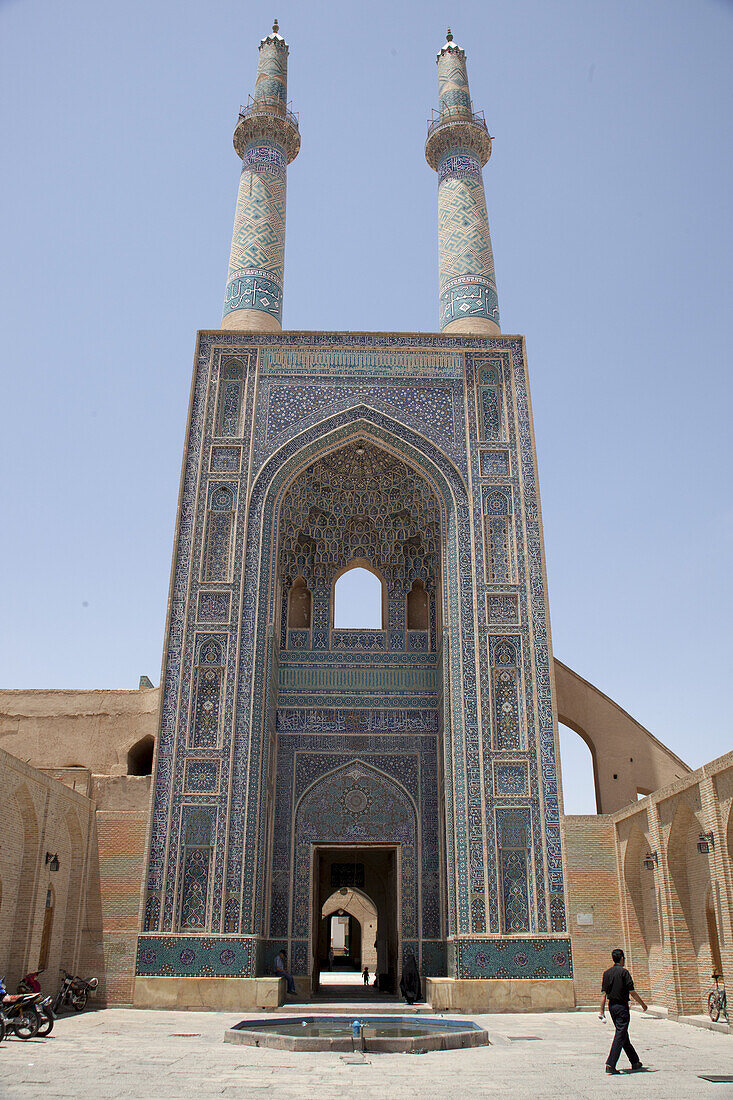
409	768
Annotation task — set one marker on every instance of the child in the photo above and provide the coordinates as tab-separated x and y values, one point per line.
365	975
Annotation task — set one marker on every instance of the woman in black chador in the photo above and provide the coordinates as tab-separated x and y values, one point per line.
410	987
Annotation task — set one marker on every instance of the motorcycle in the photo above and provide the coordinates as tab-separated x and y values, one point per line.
74	991
31	984
19	1012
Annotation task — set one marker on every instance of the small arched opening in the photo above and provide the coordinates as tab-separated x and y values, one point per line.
358	596
299	605
140	756
418	608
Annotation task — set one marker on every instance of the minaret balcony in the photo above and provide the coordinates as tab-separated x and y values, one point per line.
267	117
457	127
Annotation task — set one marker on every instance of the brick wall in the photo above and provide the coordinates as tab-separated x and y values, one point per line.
592	882
115	885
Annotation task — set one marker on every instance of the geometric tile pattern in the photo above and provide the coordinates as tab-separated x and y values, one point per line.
452	79
256	263
513	837
466	262
510	779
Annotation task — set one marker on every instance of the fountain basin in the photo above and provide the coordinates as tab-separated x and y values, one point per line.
380	1033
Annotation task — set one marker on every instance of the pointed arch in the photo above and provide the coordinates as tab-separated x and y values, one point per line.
140	756
332	809
378	593
357	764
74	898
637	945
271	481
682	856
24	907
360	907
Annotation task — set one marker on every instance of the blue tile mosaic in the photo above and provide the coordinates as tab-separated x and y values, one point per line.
196	957
382	711
513	958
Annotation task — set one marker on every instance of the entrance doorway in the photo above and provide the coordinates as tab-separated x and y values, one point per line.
354	921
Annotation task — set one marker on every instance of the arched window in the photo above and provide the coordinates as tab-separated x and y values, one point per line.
299	605
357	600
140	756
418	613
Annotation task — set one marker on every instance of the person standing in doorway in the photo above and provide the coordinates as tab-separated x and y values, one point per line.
617	985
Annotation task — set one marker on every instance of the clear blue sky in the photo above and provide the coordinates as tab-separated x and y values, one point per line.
609	195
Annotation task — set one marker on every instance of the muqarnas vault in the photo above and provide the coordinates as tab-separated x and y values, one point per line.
414	764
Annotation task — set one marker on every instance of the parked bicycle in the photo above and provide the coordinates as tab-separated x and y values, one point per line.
717	1001
74	991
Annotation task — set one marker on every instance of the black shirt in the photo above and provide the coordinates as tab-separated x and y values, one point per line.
617	984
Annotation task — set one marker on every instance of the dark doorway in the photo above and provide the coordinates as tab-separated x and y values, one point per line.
355	921
140	756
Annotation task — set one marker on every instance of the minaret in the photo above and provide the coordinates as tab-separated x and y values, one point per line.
458	146
267	139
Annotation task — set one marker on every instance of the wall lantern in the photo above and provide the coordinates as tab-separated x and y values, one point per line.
53	860
705	843
651	859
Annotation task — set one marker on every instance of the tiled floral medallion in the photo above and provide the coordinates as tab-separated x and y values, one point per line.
196	957
513	958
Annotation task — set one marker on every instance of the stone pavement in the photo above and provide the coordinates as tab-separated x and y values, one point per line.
119	1052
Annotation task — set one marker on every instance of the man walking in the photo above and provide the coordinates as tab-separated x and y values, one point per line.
617	984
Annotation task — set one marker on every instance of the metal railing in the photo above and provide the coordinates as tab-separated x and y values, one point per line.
456	114
268	105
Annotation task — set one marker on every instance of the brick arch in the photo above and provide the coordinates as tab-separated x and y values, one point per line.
627	759
24	907
637	947
358	905
685	899
74	899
